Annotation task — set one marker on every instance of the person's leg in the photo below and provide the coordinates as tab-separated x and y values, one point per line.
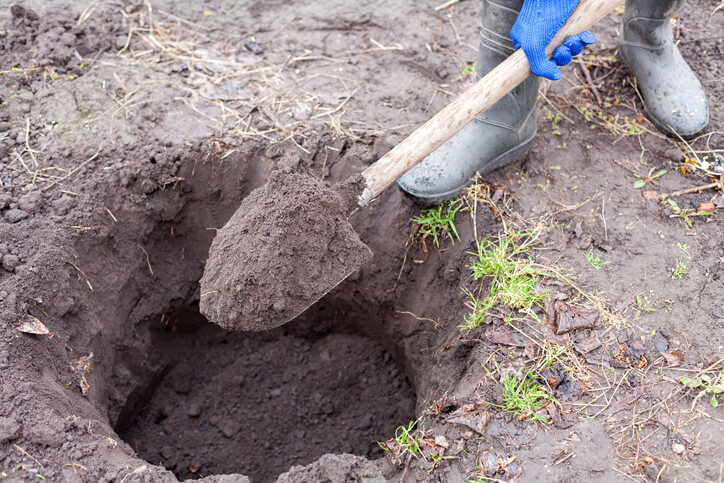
674	98
498	136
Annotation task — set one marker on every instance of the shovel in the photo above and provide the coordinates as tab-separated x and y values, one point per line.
279	254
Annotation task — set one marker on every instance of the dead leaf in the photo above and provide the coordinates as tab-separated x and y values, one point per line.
495	461
588	345
555	416
442	406
630	354
441	441
548	330
585	242
430	447
503	335
33	325
498	195
566	318
552	376
82	366
529	350
709	207
673	358
471	416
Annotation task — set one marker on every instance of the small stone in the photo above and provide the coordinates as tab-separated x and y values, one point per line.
182	385
194	410
677	448
673	154
15	215
9	262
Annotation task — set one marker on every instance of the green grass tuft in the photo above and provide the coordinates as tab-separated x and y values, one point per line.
438	222
596	262
513	276
407	440
523	395
713	386
680	270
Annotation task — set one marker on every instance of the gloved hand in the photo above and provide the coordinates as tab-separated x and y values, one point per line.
537	24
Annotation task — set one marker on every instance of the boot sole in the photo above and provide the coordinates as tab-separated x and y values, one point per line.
504	159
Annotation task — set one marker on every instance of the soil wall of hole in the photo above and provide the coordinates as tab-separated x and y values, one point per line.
125	297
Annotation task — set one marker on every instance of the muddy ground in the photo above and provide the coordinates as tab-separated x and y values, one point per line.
131	131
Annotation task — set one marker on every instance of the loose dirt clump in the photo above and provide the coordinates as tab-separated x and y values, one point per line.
286	246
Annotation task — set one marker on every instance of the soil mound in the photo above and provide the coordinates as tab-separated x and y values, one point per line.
286	246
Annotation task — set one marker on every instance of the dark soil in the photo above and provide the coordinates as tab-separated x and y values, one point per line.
44	46
286	398
129	136
287	245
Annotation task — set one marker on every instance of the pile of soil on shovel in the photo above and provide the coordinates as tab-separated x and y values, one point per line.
286	246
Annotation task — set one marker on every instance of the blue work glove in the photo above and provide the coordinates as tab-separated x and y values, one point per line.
537	24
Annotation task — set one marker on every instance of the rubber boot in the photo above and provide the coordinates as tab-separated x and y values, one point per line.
674	98
497	137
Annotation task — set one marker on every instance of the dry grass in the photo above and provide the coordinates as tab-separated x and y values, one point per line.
254	97
233	91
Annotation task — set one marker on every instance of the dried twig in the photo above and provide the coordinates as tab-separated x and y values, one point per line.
696	189
591	85
28	455
74	170
447	4
148	259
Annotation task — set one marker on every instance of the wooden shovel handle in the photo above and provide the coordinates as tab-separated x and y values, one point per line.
483	94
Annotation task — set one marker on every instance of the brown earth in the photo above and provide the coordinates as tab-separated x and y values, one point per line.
287	245
131	132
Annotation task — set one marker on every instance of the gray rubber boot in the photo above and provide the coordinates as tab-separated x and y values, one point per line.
673	96
497	137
